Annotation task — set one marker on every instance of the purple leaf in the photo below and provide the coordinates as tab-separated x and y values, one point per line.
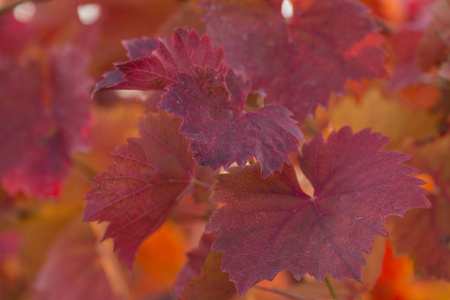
211	103
270	225
300	62
161	66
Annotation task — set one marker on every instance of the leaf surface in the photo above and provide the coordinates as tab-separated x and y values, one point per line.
300	62
137	192
212	282
43	120
73	269
160	68
428	247
201	277
196	259
211	103
385	114
269	225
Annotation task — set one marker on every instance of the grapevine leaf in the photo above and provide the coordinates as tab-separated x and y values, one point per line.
137	192
212	282
269	225
72	269
298	63
160	68
404	47
197	258
384	114
212	105
201	277
135	48
140	47
429	245
433	46
43	121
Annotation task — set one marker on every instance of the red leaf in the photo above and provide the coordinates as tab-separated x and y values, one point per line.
192	269
212	105
73	269
161	67
44	119
135	48
425	234
140	47
147	179
269	225
428	246
300	62
201	277
212	283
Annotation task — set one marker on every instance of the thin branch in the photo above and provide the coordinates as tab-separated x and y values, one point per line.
330	288
84	168
201	183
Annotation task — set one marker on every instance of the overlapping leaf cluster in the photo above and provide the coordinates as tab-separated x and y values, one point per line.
234	138
268	223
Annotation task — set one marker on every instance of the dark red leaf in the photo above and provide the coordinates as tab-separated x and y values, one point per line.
433	46
201	277
73	269
140	47
425	234
137	192
404	46
212	283
44	119
269	225
159	69
135	48
212	105
300	62
197	258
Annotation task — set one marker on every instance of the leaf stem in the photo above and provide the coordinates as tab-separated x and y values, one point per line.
84	168
278	292
330	288
201	183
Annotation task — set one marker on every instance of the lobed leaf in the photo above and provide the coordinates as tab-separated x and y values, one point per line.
196	259
212	283
137	193
162	64
201	277
428	246
211	102
43	120
299	62
73	269
269	225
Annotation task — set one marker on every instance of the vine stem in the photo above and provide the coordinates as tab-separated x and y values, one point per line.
201	183
330	288
278	292
84	168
